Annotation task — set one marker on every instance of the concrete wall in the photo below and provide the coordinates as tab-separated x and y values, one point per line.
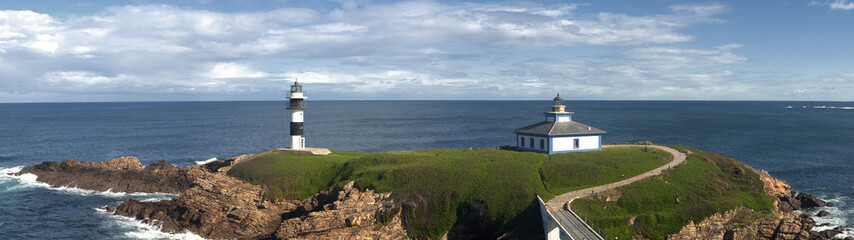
550	225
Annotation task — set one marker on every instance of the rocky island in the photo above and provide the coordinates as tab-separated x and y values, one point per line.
437	194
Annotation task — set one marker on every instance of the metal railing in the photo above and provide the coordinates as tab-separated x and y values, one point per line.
592	226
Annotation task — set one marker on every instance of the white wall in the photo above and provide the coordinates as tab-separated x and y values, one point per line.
585	143
296	116
297	142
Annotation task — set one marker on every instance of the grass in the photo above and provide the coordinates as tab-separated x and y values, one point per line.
570	172
706	183
299	177
438	187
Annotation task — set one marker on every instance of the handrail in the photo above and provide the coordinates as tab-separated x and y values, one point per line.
592	226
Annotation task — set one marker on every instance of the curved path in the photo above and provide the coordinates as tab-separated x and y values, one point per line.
576	228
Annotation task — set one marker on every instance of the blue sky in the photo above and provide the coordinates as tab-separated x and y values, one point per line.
72	51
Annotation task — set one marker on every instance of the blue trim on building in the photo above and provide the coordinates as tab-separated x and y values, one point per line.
556	114
550	143
561	135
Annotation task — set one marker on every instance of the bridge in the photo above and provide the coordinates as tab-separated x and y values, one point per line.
560	222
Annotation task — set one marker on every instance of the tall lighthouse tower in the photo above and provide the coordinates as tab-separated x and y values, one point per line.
296	104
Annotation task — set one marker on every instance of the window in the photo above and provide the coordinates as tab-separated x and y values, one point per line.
542	144
522	142
575	143
532	142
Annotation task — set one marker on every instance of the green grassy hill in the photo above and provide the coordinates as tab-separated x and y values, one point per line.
705	184
438	187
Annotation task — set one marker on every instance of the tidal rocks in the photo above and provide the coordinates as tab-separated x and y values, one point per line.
216	206
786	199
744	223
810	201
124	174
779	225
822	213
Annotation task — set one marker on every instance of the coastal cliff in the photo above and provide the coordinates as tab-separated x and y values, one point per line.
217	206
399	195
780	223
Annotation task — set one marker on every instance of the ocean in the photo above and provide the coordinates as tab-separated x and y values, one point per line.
808	145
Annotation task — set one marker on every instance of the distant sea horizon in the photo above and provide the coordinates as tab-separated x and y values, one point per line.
435	100
809	148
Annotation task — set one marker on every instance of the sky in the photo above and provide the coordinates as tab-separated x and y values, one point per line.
207	50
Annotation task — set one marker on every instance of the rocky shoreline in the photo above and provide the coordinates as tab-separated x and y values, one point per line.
217	206
781	223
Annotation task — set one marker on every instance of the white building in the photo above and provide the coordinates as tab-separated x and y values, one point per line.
558	133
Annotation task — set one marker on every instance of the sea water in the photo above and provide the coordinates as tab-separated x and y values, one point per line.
807	145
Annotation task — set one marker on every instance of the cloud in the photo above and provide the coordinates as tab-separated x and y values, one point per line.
670	58
234	70
405	50
646	73
842	5
835	5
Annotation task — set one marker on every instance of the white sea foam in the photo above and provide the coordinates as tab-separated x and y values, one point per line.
839	215
827	107
138	230
205	161
29	180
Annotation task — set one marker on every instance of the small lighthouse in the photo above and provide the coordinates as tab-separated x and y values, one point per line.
558	133
296	103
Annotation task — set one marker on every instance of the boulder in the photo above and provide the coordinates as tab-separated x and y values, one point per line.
810	201
822	213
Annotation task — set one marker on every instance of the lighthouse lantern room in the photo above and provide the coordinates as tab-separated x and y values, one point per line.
296	104
558	133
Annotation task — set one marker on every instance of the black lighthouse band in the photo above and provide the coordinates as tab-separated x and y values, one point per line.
296	128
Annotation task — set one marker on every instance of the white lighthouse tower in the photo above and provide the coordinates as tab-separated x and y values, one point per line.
296	103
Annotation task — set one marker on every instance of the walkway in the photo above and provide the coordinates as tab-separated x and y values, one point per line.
576	228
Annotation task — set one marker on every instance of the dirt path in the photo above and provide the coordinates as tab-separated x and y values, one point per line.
561	200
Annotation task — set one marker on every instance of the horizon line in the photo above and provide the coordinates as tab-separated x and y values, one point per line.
425	100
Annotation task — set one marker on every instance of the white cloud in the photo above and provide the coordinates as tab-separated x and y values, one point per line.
842	5
670	58
416	49
234	70
80	78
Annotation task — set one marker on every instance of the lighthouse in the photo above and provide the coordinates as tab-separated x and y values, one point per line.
296	104
558	133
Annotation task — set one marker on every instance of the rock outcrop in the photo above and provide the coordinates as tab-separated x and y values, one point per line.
217	206
124	174
787	201
735	224
345	213
744	223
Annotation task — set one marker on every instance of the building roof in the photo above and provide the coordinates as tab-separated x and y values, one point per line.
559	128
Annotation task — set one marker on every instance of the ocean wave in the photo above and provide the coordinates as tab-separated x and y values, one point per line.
136	229
824	107
839	215
29	180
205	161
